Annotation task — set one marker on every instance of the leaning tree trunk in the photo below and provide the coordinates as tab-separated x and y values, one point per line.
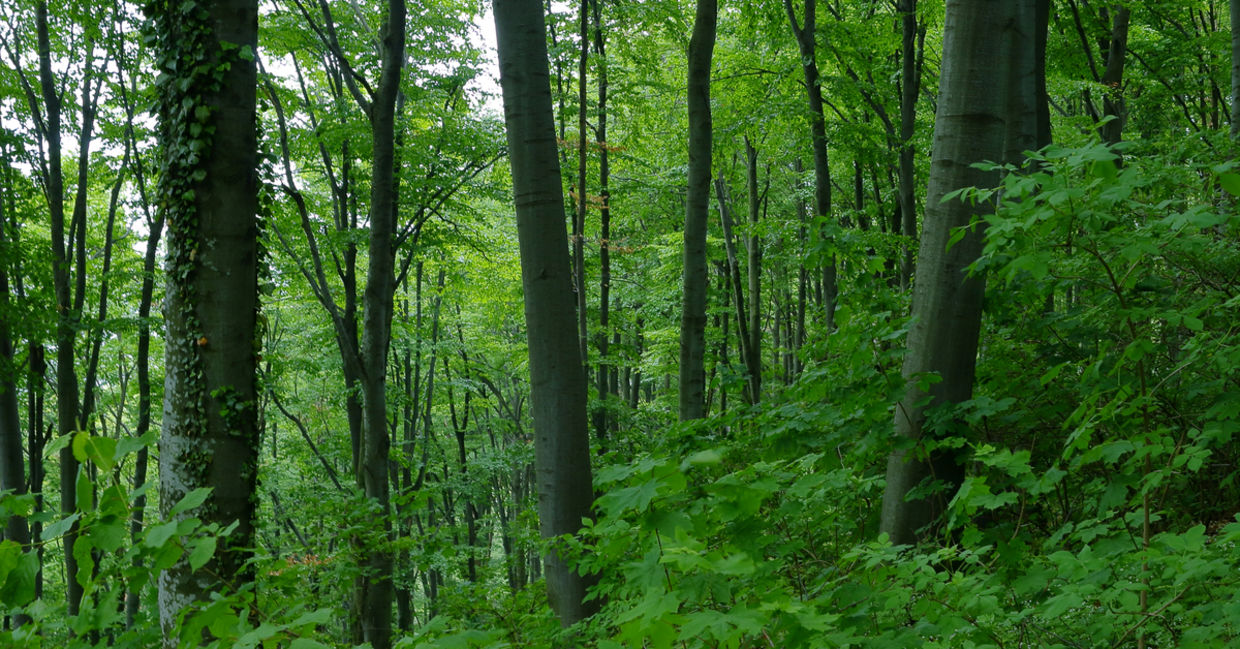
986	112
557	380
697	201
210	424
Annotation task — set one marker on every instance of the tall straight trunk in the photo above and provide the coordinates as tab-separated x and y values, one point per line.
802	275
753	244
155	229
12	459
697	200
985	113
818	139
557	380
67	395
607	370
579	217
377	329
1113	77
1235	69
210	426
910	88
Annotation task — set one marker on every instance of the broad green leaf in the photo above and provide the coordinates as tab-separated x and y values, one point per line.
60	527
158	535
204	549
1230	182
190	501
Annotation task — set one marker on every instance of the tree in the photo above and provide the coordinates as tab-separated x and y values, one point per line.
1235	69
697	199
209	191
557	380
807	44
986	113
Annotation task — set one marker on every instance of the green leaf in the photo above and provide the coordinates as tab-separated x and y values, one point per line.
190	501
307	643
319	616
1103	169
708	456
157	536
100	450
204	549
18	588
59	527
1230	182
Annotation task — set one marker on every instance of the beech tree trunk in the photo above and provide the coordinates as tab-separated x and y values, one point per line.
697	200
210	426
557	380
1235	69
986	112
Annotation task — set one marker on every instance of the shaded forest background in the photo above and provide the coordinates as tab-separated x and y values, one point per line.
1091	497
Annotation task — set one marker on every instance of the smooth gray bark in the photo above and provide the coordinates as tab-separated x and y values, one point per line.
1235	69
557	380
985	103
697	200
210	425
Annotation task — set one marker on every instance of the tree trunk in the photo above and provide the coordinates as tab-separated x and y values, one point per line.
210	424
12	459
377	329
607	369
697	200
1113	77
753	245
985	105
818	138
67	396
910	87
557	381
579	216
1235	69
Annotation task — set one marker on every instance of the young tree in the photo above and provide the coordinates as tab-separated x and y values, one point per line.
693	314
807	44
209	190
986	112
557	380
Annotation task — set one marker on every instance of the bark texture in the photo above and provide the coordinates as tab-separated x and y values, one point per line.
697	200
558	382
986	112
210	425
1235	69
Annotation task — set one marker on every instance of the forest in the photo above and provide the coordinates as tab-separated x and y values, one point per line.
620	324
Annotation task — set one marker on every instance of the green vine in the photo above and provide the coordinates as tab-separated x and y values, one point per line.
191	64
